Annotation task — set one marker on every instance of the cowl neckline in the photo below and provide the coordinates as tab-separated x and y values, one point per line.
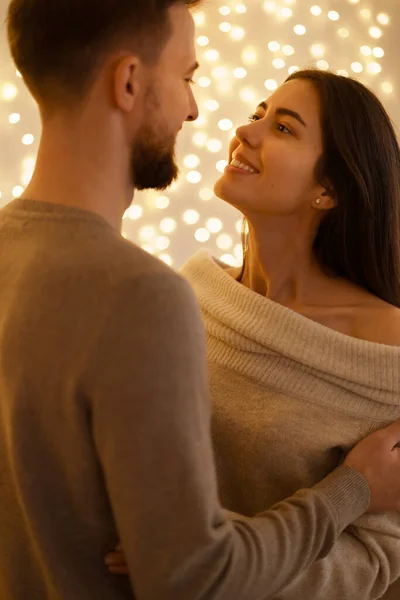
251	323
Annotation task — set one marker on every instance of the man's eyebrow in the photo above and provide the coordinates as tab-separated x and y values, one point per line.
285	111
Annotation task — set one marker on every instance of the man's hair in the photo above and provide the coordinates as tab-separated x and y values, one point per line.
58	45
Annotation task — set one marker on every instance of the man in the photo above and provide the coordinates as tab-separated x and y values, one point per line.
104	428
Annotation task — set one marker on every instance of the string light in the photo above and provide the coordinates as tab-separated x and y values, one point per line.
300	29
365	13
28	139
247	95
240	73
234	77
191	217
191	161
134	212
225	27
278	63
323	65
383	19
225	124
375	32
333	15
211	55
17	191
214	146
204	82
378	52
228	259
14	118
274	46
214	225
162	202
316	11
203	40
224	241
387	87
317	50
220	73
241	9
168	225
202	235
270	6
194	177
366	50
200	139
167	259
286	13
221	165
199	19
249	56
206	194
147	233
162	242
237	33
271	85
225	11
8	92
374	68
288	50
212	105
357	67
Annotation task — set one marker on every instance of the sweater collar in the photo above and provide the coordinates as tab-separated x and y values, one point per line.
253	324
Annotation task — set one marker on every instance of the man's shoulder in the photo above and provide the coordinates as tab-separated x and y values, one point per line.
115	261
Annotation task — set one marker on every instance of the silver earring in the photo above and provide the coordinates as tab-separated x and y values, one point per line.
318	201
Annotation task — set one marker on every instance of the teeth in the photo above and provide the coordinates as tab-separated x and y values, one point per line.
239	165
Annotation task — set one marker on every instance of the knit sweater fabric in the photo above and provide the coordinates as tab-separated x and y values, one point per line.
105	432
290	397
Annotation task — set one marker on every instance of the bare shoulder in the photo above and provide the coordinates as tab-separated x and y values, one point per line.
378	322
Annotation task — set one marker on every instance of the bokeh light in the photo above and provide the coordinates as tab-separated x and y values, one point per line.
246	50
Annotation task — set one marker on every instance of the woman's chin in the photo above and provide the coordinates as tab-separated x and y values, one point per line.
224	190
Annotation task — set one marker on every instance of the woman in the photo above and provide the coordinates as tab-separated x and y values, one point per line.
304	340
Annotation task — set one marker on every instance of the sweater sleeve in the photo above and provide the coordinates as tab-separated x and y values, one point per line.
363	563
148	391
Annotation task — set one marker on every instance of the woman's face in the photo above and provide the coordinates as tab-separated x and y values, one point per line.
282	145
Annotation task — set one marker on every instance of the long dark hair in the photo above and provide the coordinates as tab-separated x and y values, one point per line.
359	239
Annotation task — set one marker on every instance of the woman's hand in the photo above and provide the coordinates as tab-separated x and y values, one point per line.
116	563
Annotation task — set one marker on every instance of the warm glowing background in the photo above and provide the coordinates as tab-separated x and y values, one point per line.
245	49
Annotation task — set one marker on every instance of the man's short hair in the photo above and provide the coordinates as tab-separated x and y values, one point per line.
57	45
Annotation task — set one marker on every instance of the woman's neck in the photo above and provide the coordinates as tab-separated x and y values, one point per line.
281	266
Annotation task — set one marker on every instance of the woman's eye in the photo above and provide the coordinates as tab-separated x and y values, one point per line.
191	81
253	118
283	129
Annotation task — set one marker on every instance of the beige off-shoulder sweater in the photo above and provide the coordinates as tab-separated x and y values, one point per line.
290	397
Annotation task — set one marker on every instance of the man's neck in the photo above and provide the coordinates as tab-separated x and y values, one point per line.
83	171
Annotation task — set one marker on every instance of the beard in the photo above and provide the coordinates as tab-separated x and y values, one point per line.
153	162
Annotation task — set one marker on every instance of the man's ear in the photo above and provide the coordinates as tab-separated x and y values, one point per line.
126	83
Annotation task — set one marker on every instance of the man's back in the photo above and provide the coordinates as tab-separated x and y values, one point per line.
105	431
59	270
